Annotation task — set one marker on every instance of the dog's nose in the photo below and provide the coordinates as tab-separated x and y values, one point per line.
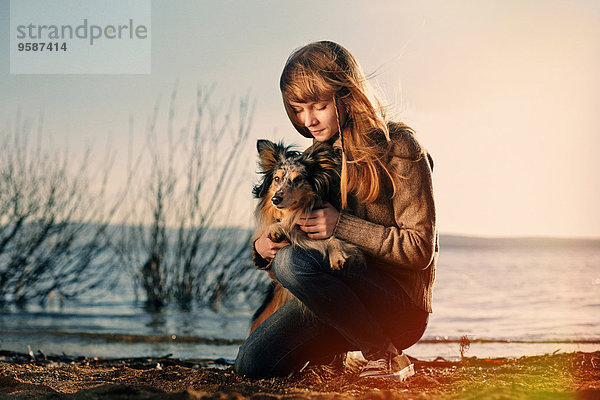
276	199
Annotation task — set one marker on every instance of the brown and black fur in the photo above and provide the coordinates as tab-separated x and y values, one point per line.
292	185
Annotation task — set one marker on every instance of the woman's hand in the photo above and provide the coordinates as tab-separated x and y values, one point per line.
267	248
320	223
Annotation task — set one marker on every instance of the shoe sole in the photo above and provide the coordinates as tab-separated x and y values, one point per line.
401	375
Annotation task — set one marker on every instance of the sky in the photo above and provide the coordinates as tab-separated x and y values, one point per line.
503	94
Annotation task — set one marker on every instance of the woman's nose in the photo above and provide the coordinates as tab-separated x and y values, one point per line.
310	119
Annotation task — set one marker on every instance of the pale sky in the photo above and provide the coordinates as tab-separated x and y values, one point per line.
504	94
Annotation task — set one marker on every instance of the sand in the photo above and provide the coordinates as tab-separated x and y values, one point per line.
558	376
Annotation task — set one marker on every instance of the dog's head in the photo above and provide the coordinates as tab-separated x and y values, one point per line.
292	180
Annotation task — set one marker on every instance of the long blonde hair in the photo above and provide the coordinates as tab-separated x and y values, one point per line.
326	70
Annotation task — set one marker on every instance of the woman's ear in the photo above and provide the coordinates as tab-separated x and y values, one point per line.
342	111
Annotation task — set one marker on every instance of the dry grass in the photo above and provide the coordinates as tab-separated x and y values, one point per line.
562	376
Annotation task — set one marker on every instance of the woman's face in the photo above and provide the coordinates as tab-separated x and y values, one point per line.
318	117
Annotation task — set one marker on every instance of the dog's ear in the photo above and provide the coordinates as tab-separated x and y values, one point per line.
269	154
263	145
322	162
260	191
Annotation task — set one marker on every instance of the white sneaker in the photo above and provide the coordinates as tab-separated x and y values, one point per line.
399	368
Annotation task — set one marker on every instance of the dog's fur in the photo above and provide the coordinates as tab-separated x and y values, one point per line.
292	185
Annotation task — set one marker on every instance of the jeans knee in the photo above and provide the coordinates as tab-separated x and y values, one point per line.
293	266
283	266
249	363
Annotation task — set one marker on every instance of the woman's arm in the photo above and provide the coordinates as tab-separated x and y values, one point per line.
410	242
411	239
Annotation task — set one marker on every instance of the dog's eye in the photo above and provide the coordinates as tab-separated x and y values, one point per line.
297	180
276	179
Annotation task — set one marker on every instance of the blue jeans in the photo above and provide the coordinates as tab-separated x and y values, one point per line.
355	308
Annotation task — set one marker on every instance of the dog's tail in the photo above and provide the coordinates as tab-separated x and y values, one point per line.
275	297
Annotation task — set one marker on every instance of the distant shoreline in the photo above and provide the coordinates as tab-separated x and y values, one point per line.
454	240
136	338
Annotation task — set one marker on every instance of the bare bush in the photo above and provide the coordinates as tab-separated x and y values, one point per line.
52	224
179	239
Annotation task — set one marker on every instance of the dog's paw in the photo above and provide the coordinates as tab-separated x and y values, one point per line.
276	237
337	259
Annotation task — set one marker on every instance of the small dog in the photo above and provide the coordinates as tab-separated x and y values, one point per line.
293	184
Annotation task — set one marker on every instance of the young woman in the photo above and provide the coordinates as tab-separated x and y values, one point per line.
380	307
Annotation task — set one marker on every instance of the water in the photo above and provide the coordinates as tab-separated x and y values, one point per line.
519	291
511	297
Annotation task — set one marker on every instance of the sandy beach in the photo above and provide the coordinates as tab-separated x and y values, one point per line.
559	376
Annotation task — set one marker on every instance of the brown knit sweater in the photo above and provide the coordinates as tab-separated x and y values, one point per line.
397	235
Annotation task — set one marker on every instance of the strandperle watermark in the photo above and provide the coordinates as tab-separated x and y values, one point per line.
80	37
83	31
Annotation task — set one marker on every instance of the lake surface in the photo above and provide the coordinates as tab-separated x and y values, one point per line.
511	297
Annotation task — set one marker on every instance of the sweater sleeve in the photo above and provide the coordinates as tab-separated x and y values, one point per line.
410	241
